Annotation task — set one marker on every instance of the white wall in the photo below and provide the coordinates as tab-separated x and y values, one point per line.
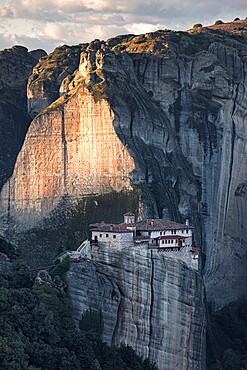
171	242
155	234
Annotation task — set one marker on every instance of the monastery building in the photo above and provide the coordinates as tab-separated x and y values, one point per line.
164	236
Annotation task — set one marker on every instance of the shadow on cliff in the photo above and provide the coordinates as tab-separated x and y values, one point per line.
227	337
68	224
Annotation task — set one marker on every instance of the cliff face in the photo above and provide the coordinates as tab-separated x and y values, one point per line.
152	303
60	164
153	124
16	65
199	82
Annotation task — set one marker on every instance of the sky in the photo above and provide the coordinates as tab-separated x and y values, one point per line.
49	23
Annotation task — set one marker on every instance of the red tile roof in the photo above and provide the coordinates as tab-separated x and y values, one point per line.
195	249
112	228
146	225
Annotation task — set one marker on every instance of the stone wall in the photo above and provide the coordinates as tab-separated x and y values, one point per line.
116	240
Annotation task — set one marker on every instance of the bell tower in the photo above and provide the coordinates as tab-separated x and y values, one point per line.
129	218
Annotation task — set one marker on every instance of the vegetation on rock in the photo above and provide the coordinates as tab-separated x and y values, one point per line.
63	58
37	331
227	338
219	22
197	25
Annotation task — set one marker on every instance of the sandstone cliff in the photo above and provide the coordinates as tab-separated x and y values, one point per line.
16	65
152	303
154	124
60	164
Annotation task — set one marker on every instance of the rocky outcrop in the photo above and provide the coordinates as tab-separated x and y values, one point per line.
157	120
48	75
16	65
148	301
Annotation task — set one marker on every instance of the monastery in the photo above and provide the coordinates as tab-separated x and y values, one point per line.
164	236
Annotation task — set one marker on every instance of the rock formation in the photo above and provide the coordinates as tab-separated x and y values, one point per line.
153	124
153	303
48	75
16	65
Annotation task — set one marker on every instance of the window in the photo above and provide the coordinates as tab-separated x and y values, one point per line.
166	241
100	235
176	241
182	231
174	231
160	232
106	235
162	241
114	236
187	231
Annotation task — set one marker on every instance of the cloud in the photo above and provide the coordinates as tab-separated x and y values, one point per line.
50	22
7	39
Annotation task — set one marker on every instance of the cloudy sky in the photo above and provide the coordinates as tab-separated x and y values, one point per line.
49	23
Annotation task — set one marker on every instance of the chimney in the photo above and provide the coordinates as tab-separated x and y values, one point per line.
187	222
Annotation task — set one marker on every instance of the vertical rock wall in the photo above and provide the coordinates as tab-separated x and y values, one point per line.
148	301
199	83
16	65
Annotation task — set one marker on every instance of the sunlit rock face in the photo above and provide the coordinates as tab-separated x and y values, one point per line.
16	65
71	165
62	156
148	301
171	106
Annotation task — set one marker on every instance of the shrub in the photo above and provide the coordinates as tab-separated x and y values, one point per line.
92	321
61	268
231	360
20	276
219	22
197	25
